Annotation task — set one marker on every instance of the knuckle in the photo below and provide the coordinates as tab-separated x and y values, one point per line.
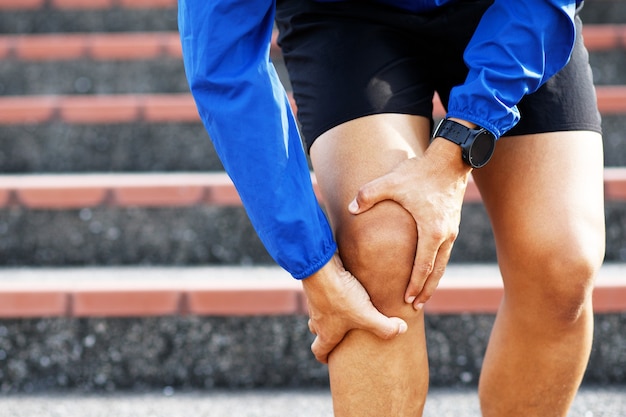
438	272
364	195
424	269
443	231
438	234
454	233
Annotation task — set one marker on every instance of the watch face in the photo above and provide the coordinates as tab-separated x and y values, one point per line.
482	148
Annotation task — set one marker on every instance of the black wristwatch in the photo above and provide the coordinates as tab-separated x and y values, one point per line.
477	145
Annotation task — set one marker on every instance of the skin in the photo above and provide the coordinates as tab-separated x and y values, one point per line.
550	242
385	185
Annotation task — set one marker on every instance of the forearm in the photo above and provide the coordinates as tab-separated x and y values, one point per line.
247	115
447	155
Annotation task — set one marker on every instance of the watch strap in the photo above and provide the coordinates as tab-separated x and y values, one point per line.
453	131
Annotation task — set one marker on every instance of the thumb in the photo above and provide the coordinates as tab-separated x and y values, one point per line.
383	326
370	194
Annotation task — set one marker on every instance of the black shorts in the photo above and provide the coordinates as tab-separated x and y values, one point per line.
352	59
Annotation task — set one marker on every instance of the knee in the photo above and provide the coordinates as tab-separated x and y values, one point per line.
561	285
569	284
378	247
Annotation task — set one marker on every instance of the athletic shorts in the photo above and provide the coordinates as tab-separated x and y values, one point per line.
343	56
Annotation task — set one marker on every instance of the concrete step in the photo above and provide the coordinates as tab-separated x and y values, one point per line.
88	77
113	235
194	219
130	147
604	11
59	147
197	351
8	5
606	43
140	147
62	63
30	16
87	16
197	235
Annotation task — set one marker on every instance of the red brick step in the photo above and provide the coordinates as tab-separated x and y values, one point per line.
96	46
154	45
72	191
235	291
180	107
7	5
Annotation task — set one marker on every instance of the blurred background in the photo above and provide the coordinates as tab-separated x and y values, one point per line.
118	226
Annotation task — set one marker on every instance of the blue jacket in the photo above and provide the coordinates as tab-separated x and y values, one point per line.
517	46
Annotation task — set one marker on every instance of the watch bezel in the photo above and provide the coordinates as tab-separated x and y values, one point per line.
471	147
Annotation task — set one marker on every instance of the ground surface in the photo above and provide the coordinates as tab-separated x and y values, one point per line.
591	402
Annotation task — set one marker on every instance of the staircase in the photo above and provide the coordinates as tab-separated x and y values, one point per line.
126	259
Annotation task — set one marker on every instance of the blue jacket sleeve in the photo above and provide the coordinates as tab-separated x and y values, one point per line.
517	47
247	115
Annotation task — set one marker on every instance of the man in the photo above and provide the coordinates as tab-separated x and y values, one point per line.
364	73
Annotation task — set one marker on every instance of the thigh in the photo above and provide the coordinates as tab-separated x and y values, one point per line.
544	196
347	60
544	187
377	246
356	152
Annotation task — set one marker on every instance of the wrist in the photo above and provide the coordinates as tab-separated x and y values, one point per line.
476	144
324	274
464	122
448	157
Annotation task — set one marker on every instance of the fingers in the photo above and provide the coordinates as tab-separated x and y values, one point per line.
430	264
321	348
371	320
371	194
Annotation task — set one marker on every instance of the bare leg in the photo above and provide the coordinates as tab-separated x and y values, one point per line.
370	376
544	196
